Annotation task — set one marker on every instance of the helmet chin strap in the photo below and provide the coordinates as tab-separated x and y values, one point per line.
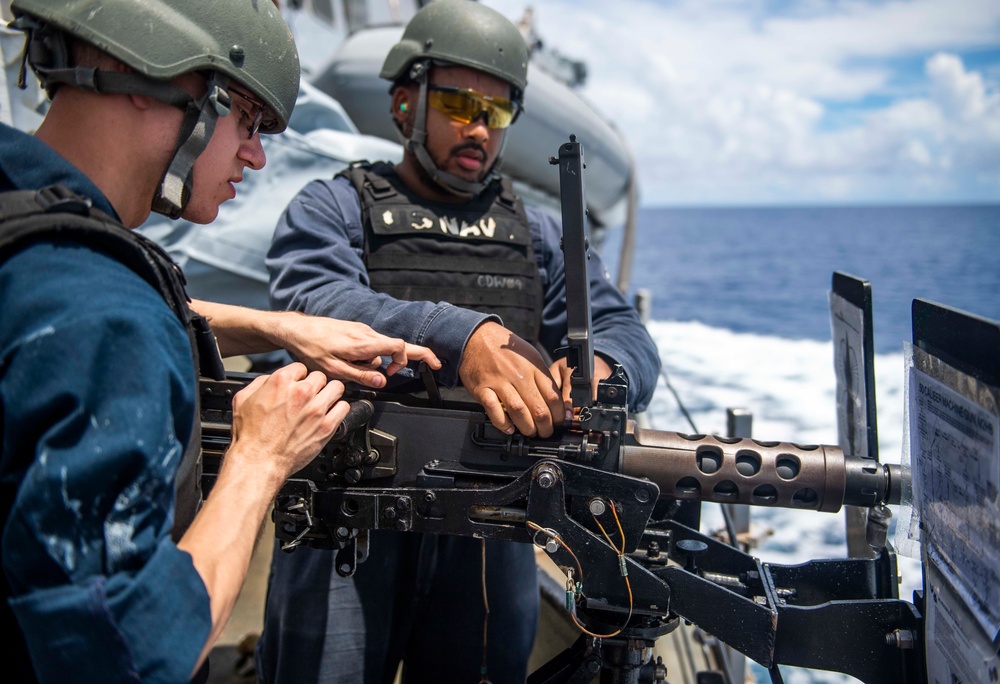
416	144
196	130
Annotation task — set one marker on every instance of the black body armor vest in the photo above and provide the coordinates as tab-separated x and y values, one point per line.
478	255
27	216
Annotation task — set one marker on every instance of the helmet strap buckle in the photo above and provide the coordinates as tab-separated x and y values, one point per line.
220	100
420	70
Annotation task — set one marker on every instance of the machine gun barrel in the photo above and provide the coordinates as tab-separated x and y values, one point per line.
748	471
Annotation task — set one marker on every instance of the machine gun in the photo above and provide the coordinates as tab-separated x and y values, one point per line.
599	496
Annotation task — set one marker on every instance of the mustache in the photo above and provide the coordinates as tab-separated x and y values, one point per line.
470	145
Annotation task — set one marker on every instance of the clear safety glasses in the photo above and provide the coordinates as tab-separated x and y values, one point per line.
251	111
465	106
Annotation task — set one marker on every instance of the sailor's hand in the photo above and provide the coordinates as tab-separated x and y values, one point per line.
343	350
349	351
562	373
281	421
508	377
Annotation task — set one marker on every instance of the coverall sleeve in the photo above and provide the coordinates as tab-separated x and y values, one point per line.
618	332
97	396
316	266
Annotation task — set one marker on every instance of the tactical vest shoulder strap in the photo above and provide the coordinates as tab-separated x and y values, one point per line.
370	185
55	211
508	198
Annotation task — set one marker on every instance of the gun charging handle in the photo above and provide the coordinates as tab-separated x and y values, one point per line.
580	352
358	415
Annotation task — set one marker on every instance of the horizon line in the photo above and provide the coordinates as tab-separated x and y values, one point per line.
940	204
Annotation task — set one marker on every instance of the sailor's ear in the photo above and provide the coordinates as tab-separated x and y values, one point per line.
402	111
401	105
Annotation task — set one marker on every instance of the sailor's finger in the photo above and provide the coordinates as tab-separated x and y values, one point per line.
361	373
317	380
566	387
495	411
331	393
293	371
528	411
411	353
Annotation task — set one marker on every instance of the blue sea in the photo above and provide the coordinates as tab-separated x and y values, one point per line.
740	314
767	270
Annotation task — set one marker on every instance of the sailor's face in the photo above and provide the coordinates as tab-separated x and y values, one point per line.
466	150
220	167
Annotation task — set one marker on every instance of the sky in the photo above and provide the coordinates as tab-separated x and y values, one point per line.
756	102
788	102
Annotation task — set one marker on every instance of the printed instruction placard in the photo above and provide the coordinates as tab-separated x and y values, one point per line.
955	460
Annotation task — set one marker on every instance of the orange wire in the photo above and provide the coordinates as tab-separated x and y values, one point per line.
620	553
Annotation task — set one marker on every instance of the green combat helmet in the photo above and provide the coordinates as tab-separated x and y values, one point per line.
240	41
458	33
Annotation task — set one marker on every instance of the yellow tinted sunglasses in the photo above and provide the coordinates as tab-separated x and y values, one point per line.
465	106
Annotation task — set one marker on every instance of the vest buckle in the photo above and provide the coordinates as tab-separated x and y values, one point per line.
60	199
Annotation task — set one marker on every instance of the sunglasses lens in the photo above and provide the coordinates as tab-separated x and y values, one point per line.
466	106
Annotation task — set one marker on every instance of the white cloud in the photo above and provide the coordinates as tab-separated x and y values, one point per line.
959	93
723	101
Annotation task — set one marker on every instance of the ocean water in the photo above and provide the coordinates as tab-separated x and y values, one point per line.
767	270
740	315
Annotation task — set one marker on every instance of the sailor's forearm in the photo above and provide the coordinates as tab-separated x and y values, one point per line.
222	537
240	330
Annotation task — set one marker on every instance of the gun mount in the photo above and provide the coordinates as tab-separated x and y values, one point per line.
600	497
